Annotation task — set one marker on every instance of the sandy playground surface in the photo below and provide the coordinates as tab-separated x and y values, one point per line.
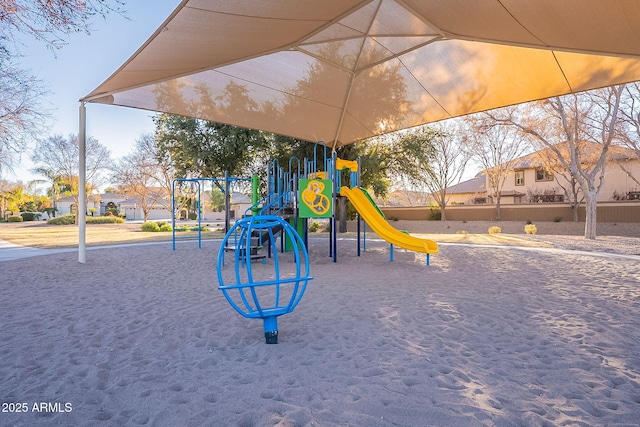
487	335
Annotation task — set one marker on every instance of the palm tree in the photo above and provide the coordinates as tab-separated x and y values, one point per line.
55	179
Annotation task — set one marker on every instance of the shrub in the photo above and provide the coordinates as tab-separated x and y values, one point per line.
393	218
104	220
530	229
194	228
51	212
193	216
30	216
68	219
15	218
314	226
528	221
435	215
558	219
495	230
161	223
150	226
164	227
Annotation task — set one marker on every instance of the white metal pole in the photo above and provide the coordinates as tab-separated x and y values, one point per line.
82	186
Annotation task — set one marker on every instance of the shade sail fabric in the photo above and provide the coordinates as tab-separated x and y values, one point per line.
343	70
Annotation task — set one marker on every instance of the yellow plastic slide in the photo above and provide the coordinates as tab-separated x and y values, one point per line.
382	228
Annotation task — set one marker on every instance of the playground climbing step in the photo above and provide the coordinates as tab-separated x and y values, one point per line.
253	252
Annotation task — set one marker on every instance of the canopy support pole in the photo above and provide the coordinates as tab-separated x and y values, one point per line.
82	185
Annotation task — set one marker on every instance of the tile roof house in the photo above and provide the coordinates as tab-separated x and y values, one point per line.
534	179
472	191
542	180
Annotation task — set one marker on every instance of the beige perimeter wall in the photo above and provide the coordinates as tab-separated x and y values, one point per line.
607	212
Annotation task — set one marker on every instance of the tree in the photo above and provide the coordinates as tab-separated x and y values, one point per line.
21	114
59	156
441	160
49	21
630	116
495	148
55	180
6	190
140	174
14	198
198	148
581	122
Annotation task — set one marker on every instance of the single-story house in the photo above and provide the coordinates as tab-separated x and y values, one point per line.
67	205
131	206
470	192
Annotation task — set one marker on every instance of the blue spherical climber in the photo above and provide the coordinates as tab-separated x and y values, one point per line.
269	289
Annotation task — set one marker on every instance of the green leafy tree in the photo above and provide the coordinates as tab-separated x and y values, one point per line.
198	148
58	186
15	198
9	192
401	155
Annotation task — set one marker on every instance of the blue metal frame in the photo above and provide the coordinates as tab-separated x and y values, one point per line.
227	188
250	306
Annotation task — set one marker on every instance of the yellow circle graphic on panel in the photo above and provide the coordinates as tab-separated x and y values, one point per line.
316	201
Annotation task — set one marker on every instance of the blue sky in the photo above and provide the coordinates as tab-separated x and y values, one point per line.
84	63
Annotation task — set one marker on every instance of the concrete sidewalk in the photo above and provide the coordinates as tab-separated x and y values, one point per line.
9	251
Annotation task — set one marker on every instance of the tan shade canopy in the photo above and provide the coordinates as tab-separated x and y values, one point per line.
344	70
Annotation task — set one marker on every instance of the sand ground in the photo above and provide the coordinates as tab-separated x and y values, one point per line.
490	334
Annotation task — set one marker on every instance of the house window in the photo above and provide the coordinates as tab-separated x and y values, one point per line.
519	177
544	175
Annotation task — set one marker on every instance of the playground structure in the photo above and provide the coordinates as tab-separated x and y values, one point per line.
308	189
373	216
293	196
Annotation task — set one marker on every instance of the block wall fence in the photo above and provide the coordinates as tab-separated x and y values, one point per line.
607	212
